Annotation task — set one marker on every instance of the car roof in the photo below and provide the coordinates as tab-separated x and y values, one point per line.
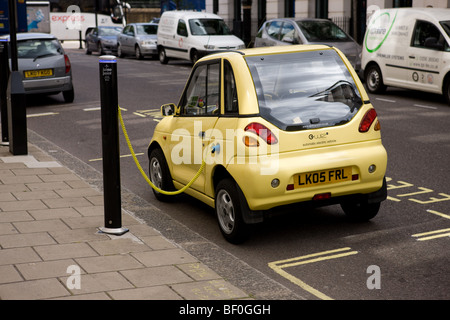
258	51
32	35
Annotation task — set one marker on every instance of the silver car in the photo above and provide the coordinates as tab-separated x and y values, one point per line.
138	39
286	31
45	66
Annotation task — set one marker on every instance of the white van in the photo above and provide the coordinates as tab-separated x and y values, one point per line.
189	35
408	48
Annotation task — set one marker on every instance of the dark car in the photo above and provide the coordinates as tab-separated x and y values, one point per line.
45	67
102	39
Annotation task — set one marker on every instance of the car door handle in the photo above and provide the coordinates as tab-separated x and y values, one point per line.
412	57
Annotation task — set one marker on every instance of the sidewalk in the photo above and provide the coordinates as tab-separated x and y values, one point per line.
49	220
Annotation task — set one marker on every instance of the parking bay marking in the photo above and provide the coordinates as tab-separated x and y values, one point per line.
123	156
278	267
432	234
42	114
402	184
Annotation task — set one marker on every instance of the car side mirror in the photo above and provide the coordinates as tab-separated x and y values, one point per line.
168	109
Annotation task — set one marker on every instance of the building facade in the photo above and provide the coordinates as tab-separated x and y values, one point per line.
246	16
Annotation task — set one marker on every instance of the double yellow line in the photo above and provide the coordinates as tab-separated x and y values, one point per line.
278	267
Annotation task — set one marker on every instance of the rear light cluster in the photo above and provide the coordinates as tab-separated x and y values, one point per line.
67	62
261	131
367	121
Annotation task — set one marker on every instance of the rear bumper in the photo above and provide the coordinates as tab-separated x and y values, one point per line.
48	85
255	179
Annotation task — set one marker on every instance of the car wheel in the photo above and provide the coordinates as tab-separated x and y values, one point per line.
138	53
360	211
160	174
119	51
229	212
162	56
69	95
100	49
87	49
374	79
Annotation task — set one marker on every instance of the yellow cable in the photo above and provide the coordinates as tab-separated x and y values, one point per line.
170	193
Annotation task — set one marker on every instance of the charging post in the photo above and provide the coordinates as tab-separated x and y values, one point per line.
4	76
110	146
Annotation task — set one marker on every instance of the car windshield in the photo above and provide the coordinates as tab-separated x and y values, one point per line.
109	31
446	26
323	30
304	90
145	29
209	27
37	48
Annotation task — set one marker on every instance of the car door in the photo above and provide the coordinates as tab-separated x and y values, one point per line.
425	57
180	45
192	135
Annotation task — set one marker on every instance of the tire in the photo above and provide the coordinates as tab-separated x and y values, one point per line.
162	56
229	212
160	175
374	79
138	53
69	95
119	51
194	56
87	50
360	211
446	90
100	49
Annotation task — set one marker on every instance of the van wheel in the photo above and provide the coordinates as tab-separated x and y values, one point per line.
162	56
229	212
194	56
374	79
446	90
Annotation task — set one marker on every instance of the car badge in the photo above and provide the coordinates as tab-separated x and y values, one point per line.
37	65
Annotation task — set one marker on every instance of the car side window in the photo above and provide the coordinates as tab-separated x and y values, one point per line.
182	28
427	35
288	33
230	90
202	94
273	29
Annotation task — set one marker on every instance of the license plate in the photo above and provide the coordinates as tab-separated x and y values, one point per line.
38	73
316	178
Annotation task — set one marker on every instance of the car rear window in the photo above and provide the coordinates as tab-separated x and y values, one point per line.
304	90
316	31
36	48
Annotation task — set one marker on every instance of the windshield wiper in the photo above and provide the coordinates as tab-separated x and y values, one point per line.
43	55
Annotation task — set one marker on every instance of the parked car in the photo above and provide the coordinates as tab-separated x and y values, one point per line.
270	127
190	35
286	31
138	39
45	66
102	39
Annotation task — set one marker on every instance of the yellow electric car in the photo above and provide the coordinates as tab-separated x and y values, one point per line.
270	127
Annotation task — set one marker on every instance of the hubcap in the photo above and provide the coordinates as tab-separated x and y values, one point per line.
155	173
225	211
374	79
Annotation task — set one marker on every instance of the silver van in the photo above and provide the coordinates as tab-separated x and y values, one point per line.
286	31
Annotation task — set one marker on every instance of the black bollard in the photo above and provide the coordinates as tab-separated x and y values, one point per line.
4	76
110	146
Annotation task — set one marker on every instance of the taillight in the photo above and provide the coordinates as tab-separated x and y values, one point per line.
367	121
262	131
67	62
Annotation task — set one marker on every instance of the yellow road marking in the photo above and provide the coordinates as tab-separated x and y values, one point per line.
278	267
439	214
432	234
